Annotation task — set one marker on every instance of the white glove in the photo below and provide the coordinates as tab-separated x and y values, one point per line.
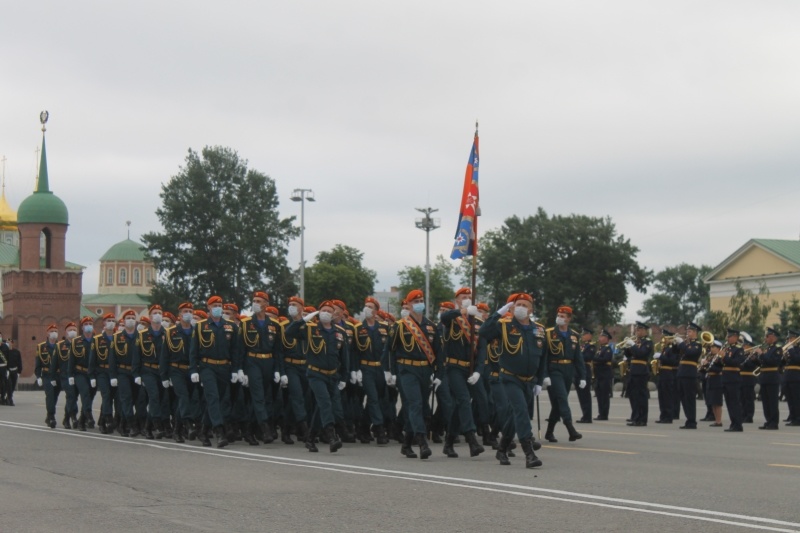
505	309
171	384
113	382
436	382
388	377
473	379
234	377
240	376
677	340
657	355
546	383
472	310
137	380
276	377
195	377
353	377
53	382
342	385
244	380
71	381
359	377
393	382
537	390
39	381
284	381
310	316
165	383
582	384
93	383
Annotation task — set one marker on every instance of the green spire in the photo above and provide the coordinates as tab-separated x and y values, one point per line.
42	181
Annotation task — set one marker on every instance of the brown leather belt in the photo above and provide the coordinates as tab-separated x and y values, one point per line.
459	362
215	361
638	362
731	369
325	372
295	361
259	355
364	362
124	367
792	367
179	366
494	374
521	378
563	361
413	362
689	363
771	369
667	368
152	366
747	374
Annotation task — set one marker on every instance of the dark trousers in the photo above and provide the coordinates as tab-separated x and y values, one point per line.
502	409
793	399
125	392
261	374
216	380
558	392
603	390
480	401
732	393
151	385
327	397
299	391
71	407
374	385
666	397
457	379
637	392
414	390
51	393
181	385
769	401
106	394
585	398
13	376
84	390
748	394
520	395
688	394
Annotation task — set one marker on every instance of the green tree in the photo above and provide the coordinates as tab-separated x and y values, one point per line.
339	274
413	277
788	316
681	296
221	233
571	260
748	311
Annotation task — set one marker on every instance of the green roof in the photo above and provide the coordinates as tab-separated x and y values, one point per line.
789	250
9	258
42	207
85	311
126	250
115	299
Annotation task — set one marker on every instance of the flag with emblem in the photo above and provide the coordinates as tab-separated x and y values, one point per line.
466	240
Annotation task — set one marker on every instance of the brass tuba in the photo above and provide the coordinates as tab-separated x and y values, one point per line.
707	338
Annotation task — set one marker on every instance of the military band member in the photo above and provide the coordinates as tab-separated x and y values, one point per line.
215	360
462	366
689	352
748	390
99	370
520	354
59	372
604	374
667	381
371	335
713	365
564	365
732	359
638	355
792	377
327	368
588	351
416	354
769	378
150	345
80	350
45	353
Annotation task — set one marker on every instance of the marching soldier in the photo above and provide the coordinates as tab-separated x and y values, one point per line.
123	358
458	338
732	360
604	374
792	376
564	365
150	344
769	379
14	358
520	354
327	368
45	353
59	372
370	338
689	352
80	350
713	396
174	368
638	354
748	390
415	351
215	361
293	370
100	372
667	381
588	351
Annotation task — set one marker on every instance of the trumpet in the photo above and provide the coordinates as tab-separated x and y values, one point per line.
707	338
788	346
627	342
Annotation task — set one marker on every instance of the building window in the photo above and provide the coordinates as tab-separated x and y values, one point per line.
137	277
110	276
149	275
123	276
99	311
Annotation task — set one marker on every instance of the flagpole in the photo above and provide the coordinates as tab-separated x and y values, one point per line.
474	347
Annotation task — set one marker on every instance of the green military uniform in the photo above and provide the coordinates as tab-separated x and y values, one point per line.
564	365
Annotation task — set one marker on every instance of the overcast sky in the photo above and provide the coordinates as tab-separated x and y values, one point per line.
679	119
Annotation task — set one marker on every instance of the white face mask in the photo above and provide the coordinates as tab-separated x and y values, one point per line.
292	311
167	323
520	312
187	318
367	312
110	325
466	302
404	313
560	321
71	334
130	323
325	317
53	335
193	322
141	327
156	318
88	328
256	308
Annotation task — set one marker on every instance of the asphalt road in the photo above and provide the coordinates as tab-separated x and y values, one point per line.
654	478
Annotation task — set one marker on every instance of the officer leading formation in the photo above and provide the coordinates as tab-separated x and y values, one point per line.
327	378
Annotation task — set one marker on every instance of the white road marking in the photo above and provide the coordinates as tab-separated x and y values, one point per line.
753	522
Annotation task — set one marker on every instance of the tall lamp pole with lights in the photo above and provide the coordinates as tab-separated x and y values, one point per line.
427	224
302	195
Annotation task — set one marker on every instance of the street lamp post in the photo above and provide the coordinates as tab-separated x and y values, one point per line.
427	224
301	195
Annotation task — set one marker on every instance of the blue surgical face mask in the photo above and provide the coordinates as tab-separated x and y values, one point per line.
419	308
216	312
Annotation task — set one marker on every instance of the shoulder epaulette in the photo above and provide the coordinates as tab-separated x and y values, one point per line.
245	319
505	319
284	322
341	328
383	323
541	326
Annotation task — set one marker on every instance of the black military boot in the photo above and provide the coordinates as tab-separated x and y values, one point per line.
52	422
380	435
74	419
311	437
396	431
531	461
222	438
333	439
66	423
406	448
489	439
191	430
448	449
90	423
177	432
548	435
158	429
573	434
502	449
47	421
475	447
204	435
511	447
494	436
424	449
231	433
167	428
286	435
148	430
82	423
136	427
266	432
348	433
117	420
247	434
301	430
536	445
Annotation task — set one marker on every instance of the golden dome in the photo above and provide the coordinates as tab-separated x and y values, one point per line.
8	217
